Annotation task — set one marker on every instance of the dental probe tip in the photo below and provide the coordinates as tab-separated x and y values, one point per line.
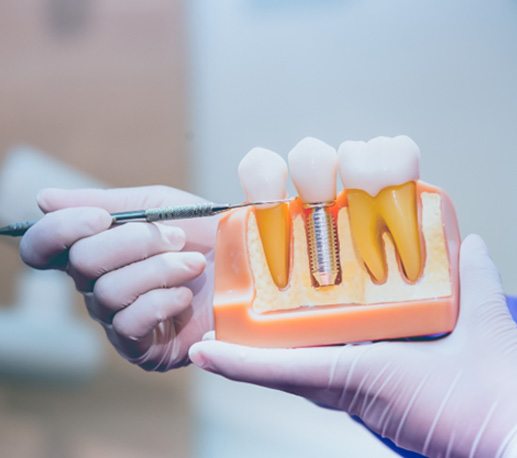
262	202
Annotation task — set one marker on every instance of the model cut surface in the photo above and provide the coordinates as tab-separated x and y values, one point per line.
379	260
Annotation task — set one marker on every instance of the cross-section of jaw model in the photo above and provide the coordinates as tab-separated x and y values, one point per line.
377	261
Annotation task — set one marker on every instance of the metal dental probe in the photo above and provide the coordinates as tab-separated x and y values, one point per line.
154	214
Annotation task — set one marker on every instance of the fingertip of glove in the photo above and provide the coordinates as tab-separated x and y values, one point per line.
26	251
97	219
473	251
176	236
475	242
45	198
196	355
210	335
195	261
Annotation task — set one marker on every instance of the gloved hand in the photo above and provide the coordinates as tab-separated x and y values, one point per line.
148	284
453	396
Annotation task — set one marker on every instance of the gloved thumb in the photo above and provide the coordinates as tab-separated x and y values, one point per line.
483	306
298	370
113	200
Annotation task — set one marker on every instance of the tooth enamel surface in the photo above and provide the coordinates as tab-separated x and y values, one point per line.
263	175
313	166
379	176
381	162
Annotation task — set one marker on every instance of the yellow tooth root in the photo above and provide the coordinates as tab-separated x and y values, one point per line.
398	206
366	227
274	228
394	209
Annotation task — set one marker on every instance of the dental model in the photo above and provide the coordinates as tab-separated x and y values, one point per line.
379	261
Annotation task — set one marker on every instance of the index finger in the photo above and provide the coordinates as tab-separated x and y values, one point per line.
45	245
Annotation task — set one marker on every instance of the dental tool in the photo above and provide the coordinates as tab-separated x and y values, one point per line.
313	166
155	214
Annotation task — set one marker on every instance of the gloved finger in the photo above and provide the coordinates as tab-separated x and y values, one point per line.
318	366
45	245
200	237
120	288
93	256
482	298
113	200
288	369
134	325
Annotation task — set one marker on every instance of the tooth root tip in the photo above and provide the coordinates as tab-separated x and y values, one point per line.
413	276
379	279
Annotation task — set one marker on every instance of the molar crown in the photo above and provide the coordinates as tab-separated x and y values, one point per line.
381	162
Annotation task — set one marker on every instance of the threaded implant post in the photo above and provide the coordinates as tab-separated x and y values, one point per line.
322	244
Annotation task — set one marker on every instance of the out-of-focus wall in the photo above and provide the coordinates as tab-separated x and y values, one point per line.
98	84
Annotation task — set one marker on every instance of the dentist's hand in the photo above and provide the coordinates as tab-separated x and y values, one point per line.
448	397
148	284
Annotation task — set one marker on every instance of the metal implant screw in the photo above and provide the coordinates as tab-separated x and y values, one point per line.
322	241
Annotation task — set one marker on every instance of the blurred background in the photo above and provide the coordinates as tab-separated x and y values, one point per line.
126	93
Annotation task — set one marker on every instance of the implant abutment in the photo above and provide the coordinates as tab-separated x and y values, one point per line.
322	244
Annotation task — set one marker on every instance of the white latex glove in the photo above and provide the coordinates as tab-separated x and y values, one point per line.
453	396
153	299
